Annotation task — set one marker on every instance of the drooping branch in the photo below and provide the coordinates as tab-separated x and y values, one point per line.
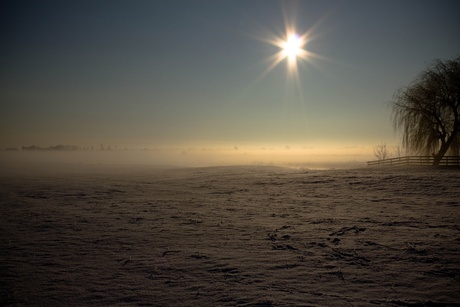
427	111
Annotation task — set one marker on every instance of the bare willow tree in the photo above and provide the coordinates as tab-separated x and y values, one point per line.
427	111
381	152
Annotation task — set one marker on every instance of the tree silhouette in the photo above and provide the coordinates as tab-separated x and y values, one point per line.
381	152
427	111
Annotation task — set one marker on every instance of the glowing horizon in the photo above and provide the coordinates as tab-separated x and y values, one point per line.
234	72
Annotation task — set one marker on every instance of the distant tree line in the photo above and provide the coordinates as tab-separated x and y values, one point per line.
56	148
63	148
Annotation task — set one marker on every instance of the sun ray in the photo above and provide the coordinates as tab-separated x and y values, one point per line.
274	60
292	49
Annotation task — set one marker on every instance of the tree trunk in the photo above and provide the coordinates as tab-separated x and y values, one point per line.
444	148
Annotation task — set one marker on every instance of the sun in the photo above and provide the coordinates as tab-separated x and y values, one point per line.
292	47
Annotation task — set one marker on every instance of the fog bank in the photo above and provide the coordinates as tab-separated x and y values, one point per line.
189	157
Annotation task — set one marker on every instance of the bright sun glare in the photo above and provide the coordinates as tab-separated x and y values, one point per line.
292	47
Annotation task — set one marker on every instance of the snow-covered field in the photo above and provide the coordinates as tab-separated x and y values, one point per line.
224	236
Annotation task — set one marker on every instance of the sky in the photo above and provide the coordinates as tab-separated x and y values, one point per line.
201	74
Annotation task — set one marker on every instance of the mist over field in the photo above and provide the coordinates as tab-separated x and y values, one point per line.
295	157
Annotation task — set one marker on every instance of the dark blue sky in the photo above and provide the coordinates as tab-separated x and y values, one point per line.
154	73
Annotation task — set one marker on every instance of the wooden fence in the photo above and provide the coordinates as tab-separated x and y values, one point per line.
417	161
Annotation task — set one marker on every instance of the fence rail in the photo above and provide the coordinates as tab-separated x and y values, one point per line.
417	161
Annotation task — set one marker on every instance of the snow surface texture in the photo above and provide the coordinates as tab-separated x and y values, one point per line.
218	236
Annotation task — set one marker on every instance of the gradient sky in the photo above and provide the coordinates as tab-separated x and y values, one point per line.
191	73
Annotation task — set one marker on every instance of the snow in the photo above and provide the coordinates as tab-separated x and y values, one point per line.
239	235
